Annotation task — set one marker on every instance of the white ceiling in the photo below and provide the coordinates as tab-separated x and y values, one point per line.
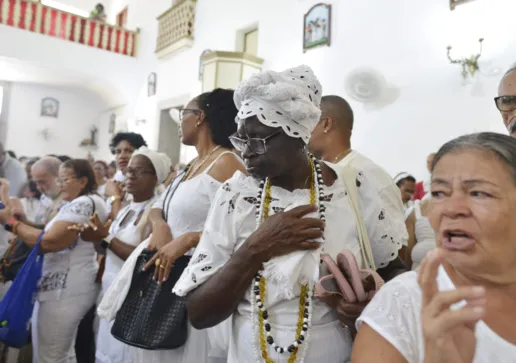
16	70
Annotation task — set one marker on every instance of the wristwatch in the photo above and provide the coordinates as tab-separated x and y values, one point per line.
9	226
106	241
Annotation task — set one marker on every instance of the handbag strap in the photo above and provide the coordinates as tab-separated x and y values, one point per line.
169	194
349	175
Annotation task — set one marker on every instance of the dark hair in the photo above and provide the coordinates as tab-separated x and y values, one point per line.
400	182
82	169
220	111
136	140
63	158
34	189
503	146
12	154
103	163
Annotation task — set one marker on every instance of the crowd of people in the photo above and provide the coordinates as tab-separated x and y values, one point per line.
241	240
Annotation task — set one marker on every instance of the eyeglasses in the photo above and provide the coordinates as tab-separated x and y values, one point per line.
185	110
505	103
64	181
257	145
138	172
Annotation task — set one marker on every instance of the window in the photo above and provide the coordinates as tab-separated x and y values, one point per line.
121	18
251	42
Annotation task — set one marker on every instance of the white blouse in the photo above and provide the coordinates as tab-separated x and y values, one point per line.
72	271
395	314
232	220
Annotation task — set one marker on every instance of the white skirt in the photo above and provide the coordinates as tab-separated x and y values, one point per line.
328	343
110	349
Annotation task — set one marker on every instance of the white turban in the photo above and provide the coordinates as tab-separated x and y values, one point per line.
160	161
290	99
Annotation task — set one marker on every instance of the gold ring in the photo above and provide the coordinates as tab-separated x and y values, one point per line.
158	262
161	266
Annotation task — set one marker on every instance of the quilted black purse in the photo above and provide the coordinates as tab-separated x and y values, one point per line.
151	316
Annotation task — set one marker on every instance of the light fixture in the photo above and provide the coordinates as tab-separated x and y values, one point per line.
469	65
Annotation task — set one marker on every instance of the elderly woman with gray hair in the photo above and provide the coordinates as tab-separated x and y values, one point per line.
459	306
259	254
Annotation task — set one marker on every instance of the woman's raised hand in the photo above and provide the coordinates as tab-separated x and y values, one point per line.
449	334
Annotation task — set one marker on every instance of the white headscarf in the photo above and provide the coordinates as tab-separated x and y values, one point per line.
160	161
290	99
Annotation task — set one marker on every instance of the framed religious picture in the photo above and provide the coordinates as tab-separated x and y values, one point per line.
50	107
112	123
151	84
317	26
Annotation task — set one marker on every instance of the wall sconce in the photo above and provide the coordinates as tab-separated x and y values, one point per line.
469	65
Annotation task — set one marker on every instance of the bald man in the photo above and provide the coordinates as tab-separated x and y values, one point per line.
506	100
379	198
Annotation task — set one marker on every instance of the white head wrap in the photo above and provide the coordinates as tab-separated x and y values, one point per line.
160	161
290	99
402	176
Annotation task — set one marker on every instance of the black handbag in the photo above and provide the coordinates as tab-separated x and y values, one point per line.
152	317
13	259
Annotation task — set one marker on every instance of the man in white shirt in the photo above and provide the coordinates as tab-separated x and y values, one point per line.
12	170
506	100
331	142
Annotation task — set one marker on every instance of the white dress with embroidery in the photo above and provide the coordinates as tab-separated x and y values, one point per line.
187	211
232	220
395	314
109	349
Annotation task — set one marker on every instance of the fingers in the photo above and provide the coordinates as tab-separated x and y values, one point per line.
76	228
310	234
351	311
438	327
151	262
306	245
311	223
443	300
302	210
108	224
427	276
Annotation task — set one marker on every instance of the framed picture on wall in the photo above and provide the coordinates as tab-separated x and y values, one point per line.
454	3
151	84
50	107
317	26
112	123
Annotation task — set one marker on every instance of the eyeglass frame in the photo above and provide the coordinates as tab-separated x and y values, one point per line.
183	110
247	140
501	97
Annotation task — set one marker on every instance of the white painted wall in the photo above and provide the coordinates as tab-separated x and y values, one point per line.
79	110
404	39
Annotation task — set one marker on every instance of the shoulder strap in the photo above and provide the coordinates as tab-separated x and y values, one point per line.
94	205
207	170
169	193
349	175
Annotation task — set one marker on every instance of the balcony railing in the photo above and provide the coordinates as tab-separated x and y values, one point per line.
41	19
176	28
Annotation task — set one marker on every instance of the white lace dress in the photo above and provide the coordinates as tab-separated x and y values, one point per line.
232	220
187	211
395	314
109	349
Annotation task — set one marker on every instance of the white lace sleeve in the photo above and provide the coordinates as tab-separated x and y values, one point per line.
219	239
77	211
394	313
385	222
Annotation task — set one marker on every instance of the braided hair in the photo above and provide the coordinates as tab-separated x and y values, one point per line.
220	111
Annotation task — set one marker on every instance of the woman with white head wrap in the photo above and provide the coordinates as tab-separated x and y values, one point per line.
146	170
259	254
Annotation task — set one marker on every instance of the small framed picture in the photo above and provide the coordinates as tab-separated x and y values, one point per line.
151	84
50	107
454	3
112	123
317	26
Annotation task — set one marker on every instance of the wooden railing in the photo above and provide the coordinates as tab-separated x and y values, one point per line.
41	19
176	26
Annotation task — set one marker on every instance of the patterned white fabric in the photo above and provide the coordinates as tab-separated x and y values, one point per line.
290	99
72	271
395	314
232	220
381	199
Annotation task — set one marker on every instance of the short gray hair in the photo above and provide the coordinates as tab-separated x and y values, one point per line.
49	163
503	146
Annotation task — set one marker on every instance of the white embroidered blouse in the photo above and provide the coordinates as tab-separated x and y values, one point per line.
72	271
232	220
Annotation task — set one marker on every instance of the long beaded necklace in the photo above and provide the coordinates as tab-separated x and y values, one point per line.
259	288
192	172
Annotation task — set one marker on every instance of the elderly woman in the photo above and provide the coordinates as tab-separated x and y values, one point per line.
259	255
459	306
67	289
